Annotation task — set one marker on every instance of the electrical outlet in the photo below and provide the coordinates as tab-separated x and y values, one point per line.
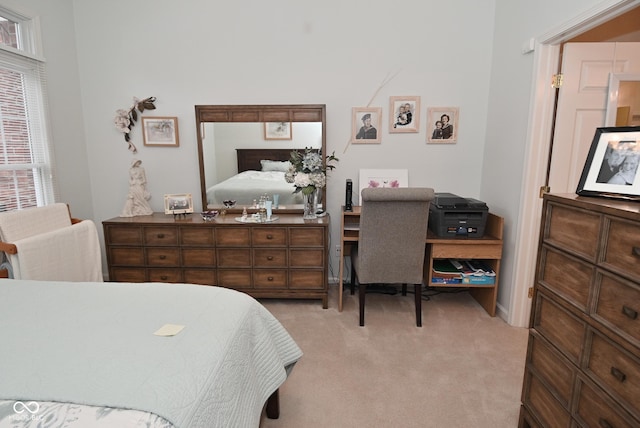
337	250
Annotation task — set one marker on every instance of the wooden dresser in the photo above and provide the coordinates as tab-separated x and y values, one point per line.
287	258
583	357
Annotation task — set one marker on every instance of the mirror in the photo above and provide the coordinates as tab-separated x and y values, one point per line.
243	151
623	104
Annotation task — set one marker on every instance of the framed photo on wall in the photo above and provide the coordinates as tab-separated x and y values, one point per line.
160	131
277	131
611	169
404	114
366	123
442	124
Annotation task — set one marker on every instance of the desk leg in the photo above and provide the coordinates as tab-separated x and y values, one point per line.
340	280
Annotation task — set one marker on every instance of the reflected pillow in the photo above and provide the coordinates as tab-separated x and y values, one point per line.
271	165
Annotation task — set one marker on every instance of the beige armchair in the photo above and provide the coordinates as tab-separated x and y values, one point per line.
391	243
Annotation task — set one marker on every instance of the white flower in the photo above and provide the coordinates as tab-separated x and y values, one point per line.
122	120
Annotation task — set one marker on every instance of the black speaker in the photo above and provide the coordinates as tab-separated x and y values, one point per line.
348	199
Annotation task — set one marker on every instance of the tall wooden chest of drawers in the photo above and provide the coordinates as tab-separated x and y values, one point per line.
583	357
287	258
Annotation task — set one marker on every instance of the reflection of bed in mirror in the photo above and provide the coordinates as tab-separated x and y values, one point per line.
260	171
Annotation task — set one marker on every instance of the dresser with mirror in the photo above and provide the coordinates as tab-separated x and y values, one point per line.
285	258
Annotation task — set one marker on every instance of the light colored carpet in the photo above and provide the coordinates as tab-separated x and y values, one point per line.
463	368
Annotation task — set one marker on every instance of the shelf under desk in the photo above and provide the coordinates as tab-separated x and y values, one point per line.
488	249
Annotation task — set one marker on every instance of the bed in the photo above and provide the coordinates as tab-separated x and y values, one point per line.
260	171
80	354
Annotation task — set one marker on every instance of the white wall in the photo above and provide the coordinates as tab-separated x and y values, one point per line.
461	53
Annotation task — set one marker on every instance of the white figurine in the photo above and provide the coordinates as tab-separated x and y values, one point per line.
138	197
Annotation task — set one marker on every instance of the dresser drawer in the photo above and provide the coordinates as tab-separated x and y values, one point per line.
200	276
123	235
203	257
126	256
306	258
543	405
270	278
306	237
119	274
564	330
163	257
197	236
306	279
552	368
165	275
573	229
234	278
161	235
240	257
233	237
568	276
269	236
622	250
270	258
615	368
617	305
595	409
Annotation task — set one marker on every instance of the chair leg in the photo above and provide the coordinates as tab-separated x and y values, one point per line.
362	292
418	296
353	280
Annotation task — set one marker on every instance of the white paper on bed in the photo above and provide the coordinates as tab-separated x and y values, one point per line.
70	253
250	185
21	224
93	344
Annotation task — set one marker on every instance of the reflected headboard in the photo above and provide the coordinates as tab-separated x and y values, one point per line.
249	159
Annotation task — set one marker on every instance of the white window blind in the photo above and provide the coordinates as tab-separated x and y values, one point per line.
26	168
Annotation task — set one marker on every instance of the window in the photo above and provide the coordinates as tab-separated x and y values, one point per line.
26	173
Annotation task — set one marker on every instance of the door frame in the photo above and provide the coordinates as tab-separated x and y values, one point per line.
541	114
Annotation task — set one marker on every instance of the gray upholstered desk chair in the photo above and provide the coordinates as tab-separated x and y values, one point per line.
391	242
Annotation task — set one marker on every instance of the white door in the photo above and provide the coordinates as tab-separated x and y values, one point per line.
582	103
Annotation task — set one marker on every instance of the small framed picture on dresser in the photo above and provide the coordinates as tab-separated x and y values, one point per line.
611	169
181	203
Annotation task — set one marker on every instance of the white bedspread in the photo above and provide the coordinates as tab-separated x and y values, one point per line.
93	344
250	185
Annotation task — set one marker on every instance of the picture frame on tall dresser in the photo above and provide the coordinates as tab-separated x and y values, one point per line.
611	169
178	203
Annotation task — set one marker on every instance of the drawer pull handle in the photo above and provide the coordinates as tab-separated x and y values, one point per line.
163	277
636	251
604	423
160	235
269	236
162	257
629	312
270	258
270	278
618	374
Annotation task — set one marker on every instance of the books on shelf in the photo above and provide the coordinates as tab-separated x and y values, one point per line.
454	271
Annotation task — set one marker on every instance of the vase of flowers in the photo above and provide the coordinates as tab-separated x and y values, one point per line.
308	173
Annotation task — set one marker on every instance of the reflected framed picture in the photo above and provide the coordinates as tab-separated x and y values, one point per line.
404	114
366	124
277	131
442	125
160	131
179	203
611	169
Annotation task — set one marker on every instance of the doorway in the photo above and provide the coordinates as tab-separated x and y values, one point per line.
547	62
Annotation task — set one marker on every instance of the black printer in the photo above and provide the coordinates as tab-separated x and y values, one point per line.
452	216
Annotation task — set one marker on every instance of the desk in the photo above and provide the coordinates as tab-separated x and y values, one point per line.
488	249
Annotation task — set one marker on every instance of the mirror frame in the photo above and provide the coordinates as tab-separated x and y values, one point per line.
257	113
614	88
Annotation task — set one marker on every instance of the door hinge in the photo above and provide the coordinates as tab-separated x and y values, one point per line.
543	190
530	294
556	80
